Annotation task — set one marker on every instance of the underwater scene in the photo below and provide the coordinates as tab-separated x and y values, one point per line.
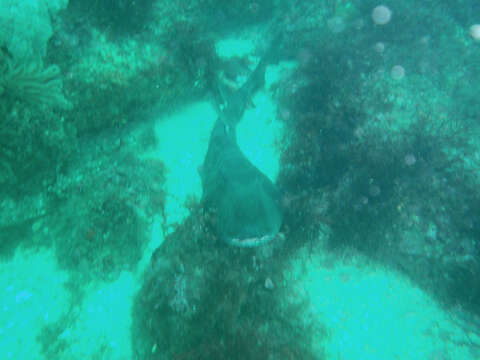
239	180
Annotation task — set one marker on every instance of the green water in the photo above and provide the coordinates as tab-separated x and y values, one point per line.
367	124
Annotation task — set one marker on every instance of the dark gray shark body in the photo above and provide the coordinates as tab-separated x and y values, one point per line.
245	202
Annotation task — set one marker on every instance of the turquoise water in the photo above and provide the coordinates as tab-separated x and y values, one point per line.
366	124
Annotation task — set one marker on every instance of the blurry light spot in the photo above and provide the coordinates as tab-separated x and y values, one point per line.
285	114
336	24
374	190
425	40
304	57
379	47
269	284
410	159
475	32
397	72
381	15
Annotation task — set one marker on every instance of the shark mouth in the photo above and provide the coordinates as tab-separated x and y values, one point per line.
251	241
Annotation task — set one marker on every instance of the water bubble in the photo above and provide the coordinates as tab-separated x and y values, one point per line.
269	284
381	15
475	32
379	47
410	159
336	24
359	132
425	40
358	24
363	200
304	57
397	72
374	190
285	114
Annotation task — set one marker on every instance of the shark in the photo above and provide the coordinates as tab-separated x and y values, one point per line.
245	202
